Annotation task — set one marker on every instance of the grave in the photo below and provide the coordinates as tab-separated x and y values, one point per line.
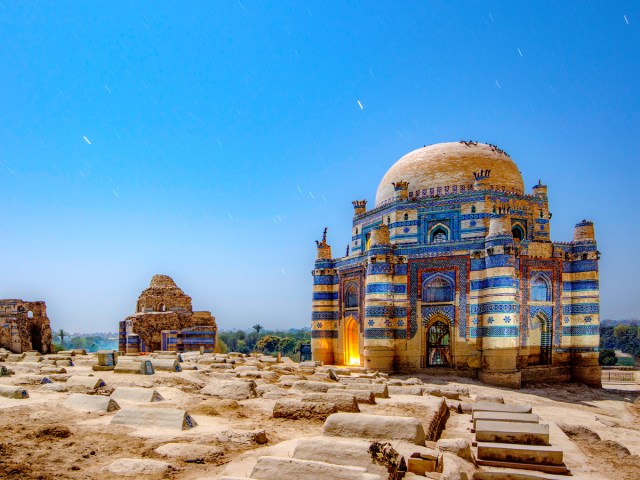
134	467
82	381
375	426
134	366
344	402
9	391
157	418
512	474
380	390
362	396
268	468
136	394
91	403
230	389
166	364
107	360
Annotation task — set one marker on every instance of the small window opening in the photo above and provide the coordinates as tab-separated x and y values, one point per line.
439	235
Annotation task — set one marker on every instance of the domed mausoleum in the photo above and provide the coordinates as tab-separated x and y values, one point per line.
164	320
454	270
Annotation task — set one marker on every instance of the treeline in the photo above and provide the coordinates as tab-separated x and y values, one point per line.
89	342
286	342
624	337
257	339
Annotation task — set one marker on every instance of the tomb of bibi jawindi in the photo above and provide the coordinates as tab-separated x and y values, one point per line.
165	320
454	270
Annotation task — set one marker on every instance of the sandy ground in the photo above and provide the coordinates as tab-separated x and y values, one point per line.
42	439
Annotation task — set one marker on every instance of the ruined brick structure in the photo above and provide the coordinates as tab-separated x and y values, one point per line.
165	320
24	326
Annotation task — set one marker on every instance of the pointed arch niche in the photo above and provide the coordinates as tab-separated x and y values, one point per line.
540	339
352	342
518	232
439	233
540	286
438	342
438	289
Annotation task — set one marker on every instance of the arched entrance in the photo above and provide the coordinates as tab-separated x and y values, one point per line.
352	340
438	345
540	336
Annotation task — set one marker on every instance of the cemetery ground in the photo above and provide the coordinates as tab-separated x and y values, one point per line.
226	416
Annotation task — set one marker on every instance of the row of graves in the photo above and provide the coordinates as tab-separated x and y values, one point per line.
373	427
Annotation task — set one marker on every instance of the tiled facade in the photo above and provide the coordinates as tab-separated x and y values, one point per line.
455	241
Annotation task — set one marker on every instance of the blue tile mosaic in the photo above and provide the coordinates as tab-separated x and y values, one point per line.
324	315
580	330
580	308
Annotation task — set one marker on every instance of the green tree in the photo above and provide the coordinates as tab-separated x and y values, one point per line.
607	358
269	343
257	327
61	334
620	331
241	347
288	345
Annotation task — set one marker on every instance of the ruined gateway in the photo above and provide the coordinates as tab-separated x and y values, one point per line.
455	269
24	326
165	320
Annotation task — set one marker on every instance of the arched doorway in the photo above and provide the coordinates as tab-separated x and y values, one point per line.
540	337
352	340
438	345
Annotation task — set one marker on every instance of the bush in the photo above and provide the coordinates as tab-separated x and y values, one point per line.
221	347
607	358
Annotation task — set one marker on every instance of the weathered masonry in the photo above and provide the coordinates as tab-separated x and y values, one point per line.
24	326
165	320
455	268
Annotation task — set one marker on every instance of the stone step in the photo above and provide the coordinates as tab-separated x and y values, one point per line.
512	432
501	407
505	417
530	454
512	474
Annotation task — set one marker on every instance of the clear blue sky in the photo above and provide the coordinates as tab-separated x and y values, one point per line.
225	135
